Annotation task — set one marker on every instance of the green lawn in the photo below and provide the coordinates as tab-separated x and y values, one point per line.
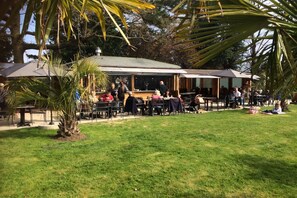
218	154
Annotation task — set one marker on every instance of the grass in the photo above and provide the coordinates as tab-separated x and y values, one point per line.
219	154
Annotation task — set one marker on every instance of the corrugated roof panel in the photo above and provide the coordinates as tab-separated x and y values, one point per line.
116	61
142	70
12	70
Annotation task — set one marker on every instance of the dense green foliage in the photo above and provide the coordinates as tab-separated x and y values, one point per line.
48	13
215	26
219	154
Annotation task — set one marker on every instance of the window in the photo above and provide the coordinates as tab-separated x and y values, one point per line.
151	82
117	79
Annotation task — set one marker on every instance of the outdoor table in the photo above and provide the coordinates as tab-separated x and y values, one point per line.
207	99
259	99
22	114
188	94
103	107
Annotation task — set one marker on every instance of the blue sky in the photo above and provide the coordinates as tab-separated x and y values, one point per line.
29	38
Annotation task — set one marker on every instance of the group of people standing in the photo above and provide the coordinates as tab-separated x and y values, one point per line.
118	93
112	94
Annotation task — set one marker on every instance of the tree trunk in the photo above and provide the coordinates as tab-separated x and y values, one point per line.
17	42
68	126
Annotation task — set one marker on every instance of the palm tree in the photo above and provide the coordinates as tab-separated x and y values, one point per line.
60	94
217	25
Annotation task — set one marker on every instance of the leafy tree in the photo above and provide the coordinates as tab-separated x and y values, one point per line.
239	20
230	58
151	33
157	39
156	35
47	12
87	40
5	48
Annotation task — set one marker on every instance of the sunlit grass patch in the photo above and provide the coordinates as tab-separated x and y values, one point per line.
218	154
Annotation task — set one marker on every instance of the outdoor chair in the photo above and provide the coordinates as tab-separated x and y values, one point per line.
140	105
38	111
219	103
187	105
158	106
3	113
116	107
101	109
174	105
8	115
85	110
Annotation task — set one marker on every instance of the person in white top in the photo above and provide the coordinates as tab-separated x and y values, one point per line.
276	110
237	95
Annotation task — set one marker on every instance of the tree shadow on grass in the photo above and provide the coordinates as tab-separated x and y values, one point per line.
27	133
262	168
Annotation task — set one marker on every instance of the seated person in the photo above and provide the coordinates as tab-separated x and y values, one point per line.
253	110
194	104
276	110
167	94
107	97
156	97
130	105
113	91
198	100
182	102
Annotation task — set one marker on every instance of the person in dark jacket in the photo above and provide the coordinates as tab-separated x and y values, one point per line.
122	90
163	88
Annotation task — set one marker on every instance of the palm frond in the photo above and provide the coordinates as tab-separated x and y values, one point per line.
231	21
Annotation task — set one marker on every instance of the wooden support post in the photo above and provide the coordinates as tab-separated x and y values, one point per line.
93	82
218	87
132	82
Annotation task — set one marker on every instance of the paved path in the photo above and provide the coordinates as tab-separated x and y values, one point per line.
6	125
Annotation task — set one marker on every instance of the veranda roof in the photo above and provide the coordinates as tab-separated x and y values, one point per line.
230	73
141	71
131	62
31	69
197	76
198	73
116	65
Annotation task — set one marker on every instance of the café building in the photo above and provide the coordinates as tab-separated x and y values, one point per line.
142	76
